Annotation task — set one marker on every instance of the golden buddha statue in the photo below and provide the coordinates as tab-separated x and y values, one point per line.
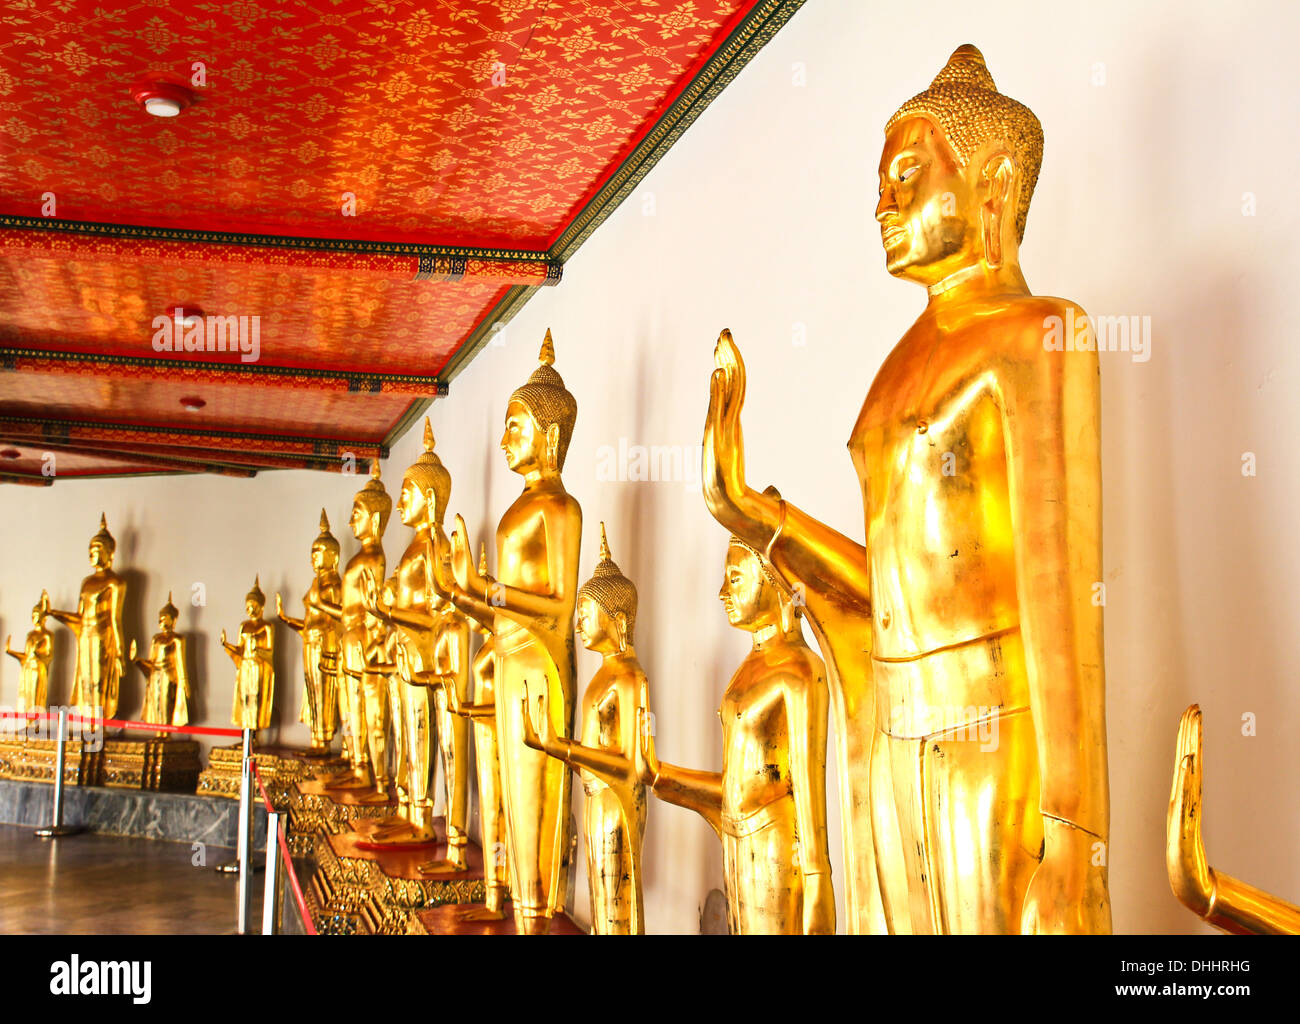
407	606
97	623
768	804
482	714
167	692
254	662
1219	899
964	641
606	758
322	699
538	540
363	634
34	659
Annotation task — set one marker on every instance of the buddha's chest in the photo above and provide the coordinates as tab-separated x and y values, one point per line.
930	436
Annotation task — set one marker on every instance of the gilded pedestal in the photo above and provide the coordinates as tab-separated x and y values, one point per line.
378	891
24	757
279	767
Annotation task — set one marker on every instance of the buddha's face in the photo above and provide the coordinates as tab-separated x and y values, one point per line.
253	608
747	595
928	209
319	557
38	616
596	629
100	557
412	504
165	622
360	521
523	443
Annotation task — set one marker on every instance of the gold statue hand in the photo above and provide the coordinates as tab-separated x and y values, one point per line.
1185	860
732	502
369	591
542	736
531	736
462	562
9	647
131	651
647	762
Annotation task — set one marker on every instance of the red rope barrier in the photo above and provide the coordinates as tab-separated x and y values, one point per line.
258	777
118	723
298	897
308	925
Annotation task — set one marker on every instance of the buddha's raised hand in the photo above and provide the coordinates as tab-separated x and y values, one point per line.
1185	861
647	761
462	562
536	736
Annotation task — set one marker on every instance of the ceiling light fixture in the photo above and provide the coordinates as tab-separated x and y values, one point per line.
192	404
161	98
10	453
187	318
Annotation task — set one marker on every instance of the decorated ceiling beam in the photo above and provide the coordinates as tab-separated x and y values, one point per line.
8	448
80	432
181	368
191	458
405	261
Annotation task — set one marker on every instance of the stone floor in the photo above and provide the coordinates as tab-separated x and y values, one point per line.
112	885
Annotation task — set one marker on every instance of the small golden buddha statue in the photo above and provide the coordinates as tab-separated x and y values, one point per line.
363	637
1219	899
322	699
34	659
407	606
167	692
97	623
538	540
768	804
253	656
964	640
606	759
482	714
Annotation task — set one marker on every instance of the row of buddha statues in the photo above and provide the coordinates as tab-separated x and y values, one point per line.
960	662
102	655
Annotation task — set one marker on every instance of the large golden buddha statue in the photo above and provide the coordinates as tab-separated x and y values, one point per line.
167	693
34	660
964	641
254	658
97	623
322	699
360	631
768	804
1215	897
538	540
606	759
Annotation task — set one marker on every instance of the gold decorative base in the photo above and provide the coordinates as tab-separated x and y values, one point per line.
24	757
158	763
279	767
381	889
314	808
448	920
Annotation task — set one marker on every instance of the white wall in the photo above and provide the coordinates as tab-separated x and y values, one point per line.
762	221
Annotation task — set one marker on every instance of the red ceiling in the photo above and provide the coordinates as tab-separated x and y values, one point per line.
480	139
473	122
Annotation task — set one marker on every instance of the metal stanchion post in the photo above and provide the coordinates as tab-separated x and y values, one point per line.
230	867
272	890
57	828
